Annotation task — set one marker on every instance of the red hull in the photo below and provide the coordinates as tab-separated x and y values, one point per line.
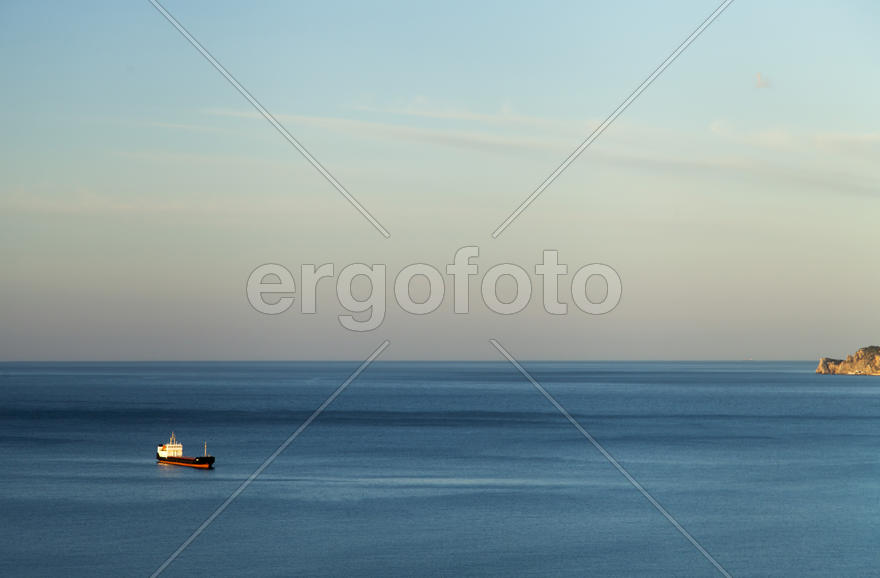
202	462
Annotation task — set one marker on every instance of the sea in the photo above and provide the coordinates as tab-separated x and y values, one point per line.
440	469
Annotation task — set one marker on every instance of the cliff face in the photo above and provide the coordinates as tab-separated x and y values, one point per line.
865	361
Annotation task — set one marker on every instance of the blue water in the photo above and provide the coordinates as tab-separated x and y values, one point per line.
440	469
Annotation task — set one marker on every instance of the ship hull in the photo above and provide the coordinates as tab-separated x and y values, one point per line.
201	462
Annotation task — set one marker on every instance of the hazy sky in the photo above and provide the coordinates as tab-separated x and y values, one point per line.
738	198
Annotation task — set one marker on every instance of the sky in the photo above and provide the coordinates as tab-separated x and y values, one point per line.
736	199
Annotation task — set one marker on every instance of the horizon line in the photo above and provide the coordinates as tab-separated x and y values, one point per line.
676	360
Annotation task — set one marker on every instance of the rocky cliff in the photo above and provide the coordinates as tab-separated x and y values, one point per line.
865	361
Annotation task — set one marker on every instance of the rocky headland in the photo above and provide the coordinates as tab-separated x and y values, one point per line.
865	361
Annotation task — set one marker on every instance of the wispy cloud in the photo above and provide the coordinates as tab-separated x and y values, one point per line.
215	209
761	175
783	139
863	144
392	131
505	117
768	138
202	159
167	125
186	127
502	131
830	162
817	162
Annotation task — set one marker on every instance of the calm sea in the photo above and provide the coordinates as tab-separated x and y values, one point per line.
440	469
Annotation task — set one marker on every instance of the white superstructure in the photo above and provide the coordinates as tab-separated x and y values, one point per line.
173	449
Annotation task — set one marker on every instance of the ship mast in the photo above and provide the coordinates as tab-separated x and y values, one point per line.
206	448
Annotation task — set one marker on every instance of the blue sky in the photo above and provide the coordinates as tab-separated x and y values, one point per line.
139	189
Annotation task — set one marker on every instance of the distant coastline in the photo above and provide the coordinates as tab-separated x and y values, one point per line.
865	361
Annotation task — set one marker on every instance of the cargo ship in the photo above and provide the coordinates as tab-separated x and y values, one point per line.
171	453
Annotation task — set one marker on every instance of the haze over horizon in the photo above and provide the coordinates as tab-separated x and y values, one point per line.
737	197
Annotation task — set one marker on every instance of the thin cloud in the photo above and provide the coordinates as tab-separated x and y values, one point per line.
391	131
781	139
86	203
421	108
769	138
160	124
849	142
501	131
